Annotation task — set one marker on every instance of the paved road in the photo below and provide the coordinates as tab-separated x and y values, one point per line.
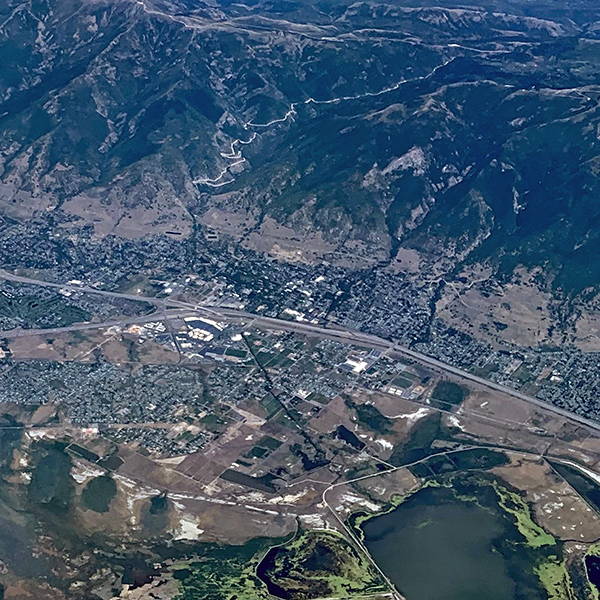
352	534
160	302
171	314
331	332
436	364
371	341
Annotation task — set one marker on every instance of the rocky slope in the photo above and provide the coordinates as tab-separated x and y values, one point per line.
467	134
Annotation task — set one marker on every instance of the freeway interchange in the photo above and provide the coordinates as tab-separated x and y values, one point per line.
170	308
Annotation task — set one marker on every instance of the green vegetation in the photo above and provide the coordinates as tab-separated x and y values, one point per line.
264	357
256	452
270	405
269	443
263	447
465	460
369	416
221	572
592	556
529	542
31	311
11	432
213	422
418	445
51	483
447	394
361	469
403	382
98	493
236	353
554	576
594	550
514	504
318	564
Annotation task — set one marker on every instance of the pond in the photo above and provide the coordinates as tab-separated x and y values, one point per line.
435	546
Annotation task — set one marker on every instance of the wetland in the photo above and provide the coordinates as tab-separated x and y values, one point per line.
466	539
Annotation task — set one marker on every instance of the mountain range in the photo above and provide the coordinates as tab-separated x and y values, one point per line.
357	133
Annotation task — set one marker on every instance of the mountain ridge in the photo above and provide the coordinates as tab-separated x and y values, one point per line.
365	127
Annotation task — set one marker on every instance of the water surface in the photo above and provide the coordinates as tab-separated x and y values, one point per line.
435	547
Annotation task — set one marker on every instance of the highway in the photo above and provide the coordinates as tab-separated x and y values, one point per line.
331	332
154	317
377	343
82	289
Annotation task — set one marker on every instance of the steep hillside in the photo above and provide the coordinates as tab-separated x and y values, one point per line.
470	135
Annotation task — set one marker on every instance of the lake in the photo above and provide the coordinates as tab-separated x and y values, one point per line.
437	547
